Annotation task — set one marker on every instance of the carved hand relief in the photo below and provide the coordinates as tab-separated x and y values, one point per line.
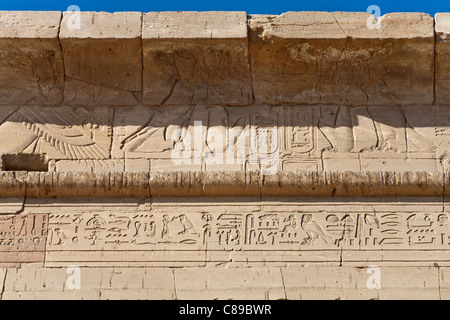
60	133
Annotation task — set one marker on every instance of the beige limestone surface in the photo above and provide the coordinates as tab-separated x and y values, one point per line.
442	53
322	57
31	62
216	155
199	283
219	138
102	58
196	58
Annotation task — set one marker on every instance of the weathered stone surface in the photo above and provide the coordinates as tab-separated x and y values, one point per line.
34	282
158	177
285	138
400	283
321	57
2	281
90	166
444	283
193	58
102	58
231	232
59	133
11	205
137	165
31	63
350	283
22	238
442	60
221	184
233	283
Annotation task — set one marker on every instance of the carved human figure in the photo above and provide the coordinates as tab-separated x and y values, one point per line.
165	229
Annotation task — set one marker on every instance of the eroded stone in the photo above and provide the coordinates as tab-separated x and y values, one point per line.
442	61
23	238
31	63
102	58
196	58
321	57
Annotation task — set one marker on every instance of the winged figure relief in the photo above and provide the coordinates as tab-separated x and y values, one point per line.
66	132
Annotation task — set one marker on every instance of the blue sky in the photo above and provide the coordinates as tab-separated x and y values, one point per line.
252	6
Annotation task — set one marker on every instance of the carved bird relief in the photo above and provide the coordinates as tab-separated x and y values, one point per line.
313	230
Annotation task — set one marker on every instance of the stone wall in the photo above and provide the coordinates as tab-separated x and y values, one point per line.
182	155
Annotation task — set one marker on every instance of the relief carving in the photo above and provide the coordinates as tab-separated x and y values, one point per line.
249	231
290	138
23	232
61	133
197	74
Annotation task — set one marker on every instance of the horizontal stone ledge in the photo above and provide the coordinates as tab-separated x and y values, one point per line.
221	184
227	58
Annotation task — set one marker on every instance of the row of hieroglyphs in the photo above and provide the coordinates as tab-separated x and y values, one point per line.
103	231
189	232
169	226
294	137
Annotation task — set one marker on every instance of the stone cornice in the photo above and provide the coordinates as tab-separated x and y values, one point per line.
222	184
226	58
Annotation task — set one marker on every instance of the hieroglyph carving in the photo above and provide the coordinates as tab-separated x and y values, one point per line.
23	232
292	230
270	139
287	138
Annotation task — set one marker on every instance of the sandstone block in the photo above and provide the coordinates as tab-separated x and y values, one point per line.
137	165
90	166
341	283
102	58
326	283
2	281
410	283
442	61
38	133
31	63
195	58
322	57
23	238
232	283
11	205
